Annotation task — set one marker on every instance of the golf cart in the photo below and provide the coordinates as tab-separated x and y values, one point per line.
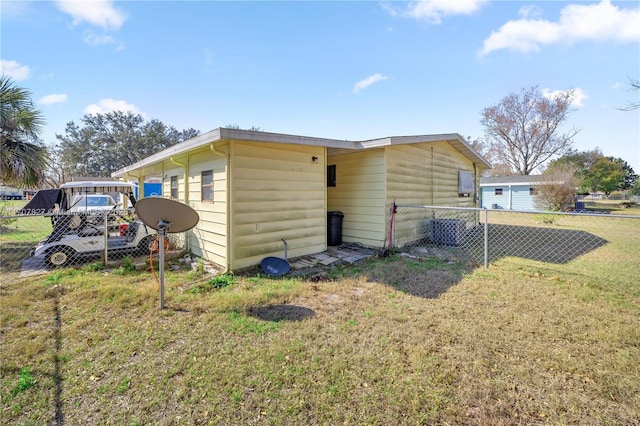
88	223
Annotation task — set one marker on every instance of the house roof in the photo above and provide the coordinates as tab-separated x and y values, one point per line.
511	180
223	134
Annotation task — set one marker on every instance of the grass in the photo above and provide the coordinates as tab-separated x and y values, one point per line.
390	341
401	340
18	237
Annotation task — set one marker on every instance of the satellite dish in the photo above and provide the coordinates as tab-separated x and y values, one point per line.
174	216
165	215
275	266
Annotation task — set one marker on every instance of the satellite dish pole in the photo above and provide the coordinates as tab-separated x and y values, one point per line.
162	230
165	215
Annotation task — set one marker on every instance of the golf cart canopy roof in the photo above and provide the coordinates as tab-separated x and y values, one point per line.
46	200
98	186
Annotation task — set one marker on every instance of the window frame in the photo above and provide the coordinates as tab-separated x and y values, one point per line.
174	179
498	191
206	188
331	176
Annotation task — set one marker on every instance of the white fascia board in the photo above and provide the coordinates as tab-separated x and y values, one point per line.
221	134
374	143
253	136
531	183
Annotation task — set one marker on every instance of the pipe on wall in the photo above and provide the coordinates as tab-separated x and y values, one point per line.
186	176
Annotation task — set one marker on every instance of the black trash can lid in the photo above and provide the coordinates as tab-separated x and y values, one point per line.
336	213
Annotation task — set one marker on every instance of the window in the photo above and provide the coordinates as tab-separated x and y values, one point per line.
533	191
206	185
331	175
498	191
466	186
174	187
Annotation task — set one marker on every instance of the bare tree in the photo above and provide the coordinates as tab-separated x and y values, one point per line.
483	147
524	128
635	104
558	188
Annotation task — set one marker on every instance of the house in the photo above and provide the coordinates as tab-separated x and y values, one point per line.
252	189
510	192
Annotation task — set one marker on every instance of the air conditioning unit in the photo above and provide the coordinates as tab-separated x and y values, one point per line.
448	232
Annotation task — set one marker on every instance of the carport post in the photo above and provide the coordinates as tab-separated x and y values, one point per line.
486	238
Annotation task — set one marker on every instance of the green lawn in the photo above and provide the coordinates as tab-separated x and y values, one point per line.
402	340
391	341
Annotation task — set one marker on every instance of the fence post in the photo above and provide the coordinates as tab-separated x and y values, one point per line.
486	238
106	239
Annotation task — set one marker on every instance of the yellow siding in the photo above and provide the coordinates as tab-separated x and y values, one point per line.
173	170
264	192
209	238
424	174
277	192
360	194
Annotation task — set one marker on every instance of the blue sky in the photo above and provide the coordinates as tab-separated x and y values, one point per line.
345	70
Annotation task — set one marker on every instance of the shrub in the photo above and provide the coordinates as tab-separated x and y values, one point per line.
6	209
25	381
221	281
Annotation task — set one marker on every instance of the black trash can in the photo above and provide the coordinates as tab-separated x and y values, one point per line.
334	228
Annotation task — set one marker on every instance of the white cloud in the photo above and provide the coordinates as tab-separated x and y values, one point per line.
100	13
363	84
577	23
15	8
14	70
530	11
98	40
617	85
433	11
54	98
110	105
578	95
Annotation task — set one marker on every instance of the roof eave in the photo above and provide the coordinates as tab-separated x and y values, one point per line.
221	134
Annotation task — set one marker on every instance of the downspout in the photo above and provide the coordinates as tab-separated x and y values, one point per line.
476	196
186	191
186	177
433	189
227	156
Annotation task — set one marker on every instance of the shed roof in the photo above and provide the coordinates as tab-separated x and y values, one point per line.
511	180
335	145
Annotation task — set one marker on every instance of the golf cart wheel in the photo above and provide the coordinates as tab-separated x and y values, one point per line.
59	256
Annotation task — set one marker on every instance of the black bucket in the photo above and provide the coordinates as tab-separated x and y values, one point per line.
334	228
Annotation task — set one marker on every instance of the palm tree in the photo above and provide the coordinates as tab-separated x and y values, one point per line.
23	159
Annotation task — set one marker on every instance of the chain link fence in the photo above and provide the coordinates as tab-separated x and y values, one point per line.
485	236
36	243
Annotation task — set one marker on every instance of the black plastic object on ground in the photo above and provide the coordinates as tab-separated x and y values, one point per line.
275	266
334	228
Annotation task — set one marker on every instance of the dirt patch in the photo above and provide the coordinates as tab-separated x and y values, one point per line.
282	312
